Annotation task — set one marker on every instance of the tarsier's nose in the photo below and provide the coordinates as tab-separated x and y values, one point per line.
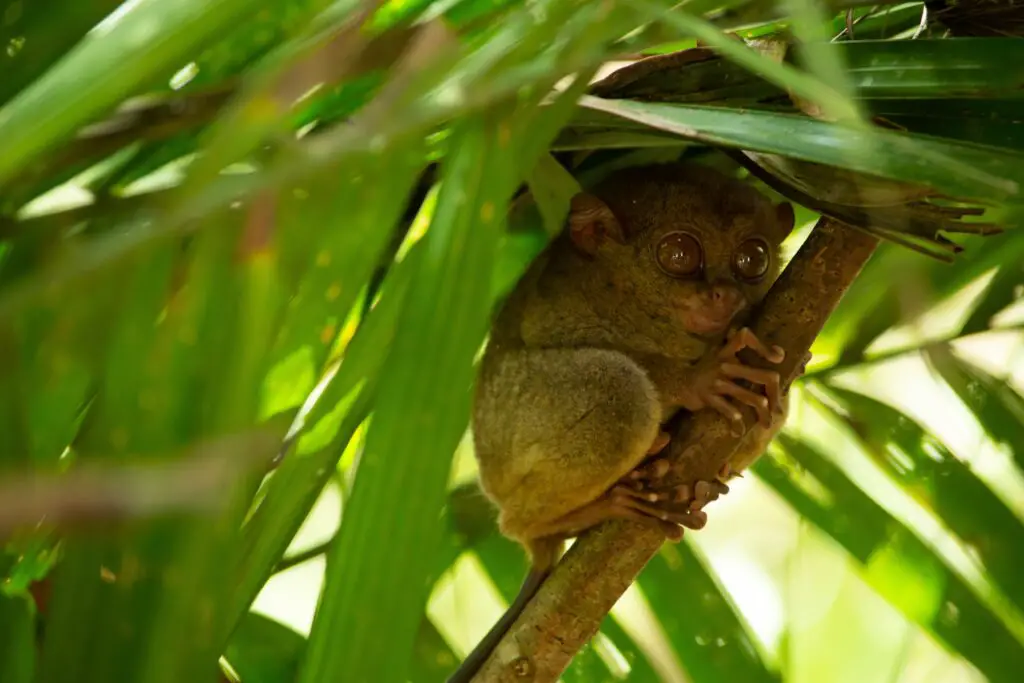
714	309
727	299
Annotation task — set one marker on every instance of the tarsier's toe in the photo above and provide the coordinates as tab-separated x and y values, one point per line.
646	494
681	493
706	491
694	519
724	472
657	469
651	471
665	512
673	532
689	519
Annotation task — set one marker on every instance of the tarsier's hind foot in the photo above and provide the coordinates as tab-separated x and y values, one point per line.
646	481
674	516
611	505
642	495
644	490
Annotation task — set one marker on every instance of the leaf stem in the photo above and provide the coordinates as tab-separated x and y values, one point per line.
305	556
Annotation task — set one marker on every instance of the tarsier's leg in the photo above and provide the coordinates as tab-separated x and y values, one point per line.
551	464
612	505
635	498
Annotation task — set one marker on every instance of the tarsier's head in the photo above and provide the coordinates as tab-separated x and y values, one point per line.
682	242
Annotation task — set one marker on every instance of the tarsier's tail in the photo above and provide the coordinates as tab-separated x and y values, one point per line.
482	651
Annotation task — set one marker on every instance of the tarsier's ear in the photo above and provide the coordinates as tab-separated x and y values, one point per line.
784	219
591	222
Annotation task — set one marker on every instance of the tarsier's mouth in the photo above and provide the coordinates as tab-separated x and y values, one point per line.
713	319
707	325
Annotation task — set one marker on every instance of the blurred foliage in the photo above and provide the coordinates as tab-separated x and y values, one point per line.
248	252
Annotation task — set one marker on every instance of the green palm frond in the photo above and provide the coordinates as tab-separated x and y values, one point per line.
285	225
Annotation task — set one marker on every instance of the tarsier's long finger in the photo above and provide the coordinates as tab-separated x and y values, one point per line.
691	519
768	378
756	401
744	338
731	412
659	443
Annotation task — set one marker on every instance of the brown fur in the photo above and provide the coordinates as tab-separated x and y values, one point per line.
595	349
588	353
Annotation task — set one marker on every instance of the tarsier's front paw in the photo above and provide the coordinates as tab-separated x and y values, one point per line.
723	382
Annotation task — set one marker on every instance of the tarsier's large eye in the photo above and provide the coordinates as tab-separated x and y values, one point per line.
680	254
751	259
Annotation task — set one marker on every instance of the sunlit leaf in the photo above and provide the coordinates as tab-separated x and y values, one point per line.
43	113
224	219
984	173
940	481
439	331
17	639
996	405
703	626
950	608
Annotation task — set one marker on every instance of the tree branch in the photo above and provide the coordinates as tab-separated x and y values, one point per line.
597	570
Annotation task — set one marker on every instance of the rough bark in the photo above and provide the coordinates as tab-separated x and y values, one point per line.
585	585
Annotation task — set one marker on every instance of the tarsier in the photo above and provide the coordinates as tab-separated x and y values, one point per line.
631	315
